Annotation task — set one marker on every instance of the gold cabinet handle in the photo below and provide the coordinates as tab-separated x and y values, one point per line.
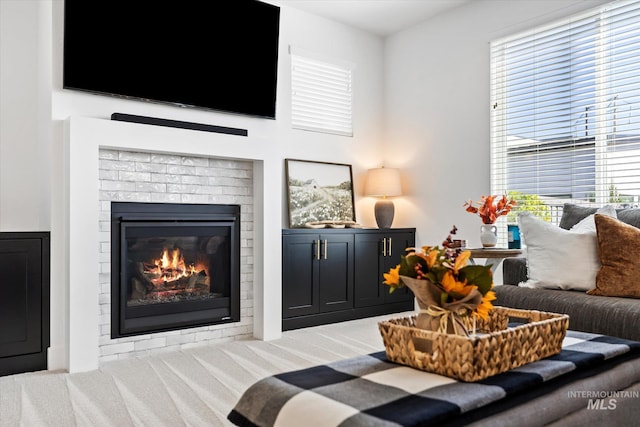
384	246
389	251
318	249
325	249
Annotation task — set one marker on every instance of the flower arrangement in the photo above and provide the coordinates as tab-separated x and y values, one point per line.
450	293
489	210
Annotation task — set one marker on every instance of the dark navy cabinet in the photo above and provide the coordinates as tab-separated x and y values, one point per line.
24	301
376	253
333	275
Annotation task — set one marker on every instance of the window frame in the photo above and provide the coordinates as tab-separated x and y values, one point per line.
499	128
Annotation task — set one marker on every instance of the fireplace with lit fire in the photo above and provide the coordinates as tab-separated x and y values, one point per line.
173	266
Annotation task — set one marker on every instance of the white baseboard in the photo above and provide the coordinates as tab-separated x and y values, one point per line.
56	358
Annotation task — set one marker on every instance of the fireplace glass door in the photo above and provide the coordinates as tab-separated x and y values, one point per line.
171	274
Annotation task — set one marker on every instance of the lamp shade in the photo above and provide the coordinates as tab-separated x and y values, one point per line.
383	182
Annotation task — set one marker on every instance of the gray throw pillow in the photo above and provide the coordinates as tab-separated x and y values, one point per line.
573	214
630	216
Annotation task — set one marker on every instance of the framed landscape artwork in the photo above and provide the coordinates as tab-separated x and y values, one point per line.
318	191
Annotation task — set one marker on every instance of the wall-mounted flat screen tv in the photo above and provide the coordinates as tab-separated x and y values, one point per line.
218	55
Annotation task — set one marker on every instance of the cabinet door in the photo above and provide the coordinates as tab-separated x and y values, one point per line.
376	253
369	267
396	244
300	278
21	301
336	272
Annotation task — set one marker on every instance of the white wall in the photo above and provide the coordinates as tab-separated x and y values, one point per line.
437	108
24	114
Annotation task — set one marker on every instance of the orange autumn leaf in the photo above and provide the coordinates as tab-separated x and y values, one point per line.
461	261
432	257
488	209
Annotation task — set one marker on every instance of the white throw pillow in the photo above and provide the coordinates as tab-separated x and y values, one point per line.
588	224
558	258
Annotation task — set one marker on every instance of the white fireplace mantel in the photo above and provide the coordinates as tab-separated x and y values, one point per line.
75	233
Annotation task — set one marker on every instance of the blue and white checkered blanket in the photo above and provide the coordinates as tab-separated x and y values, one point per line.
371	391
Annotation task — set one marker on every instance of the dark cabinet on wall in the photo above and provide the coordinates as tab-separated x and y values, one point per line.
333	275
376	254
317	274
24	305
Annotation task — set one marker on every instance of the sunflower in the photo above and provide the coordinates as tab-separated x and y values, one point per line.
392	278
452	286
486	305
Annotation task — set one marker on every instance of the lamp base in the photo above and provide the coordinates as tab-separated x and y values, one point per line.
384	211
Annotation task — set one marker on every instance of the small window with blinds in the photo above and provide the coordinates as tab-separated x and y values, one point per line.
565	118
321	96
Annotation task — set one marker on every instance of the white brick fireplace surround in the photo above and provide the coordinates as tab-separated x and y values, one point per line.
78	257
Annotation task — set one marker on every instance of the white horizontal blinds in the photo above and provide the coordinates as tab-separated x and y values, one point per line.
621	175
321	94
566	111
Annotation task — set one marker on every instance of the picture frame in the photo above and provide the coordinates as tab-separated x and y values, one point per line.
319	191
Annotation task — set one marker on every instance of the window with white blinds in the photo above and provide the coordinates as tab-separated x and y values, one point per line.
565	117
321	96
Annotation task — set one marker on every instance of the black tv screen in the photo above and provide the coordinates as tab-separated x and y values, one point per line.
218	55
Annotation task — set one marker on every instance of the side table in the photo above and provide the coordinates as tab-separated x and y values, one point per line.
492	256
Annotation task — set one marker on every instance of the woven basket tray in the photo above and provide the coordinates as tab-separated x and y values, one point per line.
497	350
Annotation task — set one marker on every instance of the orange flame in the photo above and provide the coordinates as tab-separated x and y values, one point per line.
171	266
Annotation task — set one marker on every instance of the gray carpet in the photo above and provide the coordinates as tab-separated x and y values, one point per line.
196	387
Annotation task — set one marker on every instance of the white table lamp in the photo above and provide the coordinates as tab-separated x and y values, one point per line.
383	182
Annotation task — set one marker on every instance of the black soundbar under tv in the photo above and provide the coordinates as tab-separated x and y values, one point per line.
178	124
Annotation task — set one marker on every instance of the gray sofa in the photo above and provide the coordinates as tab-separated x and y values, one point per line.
614	316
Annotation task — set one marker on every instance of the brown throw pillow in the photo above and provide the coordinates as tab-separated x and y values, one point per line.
619	251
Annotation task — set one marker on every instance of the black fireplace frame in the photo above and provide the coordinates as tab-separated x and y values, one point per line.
126	321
